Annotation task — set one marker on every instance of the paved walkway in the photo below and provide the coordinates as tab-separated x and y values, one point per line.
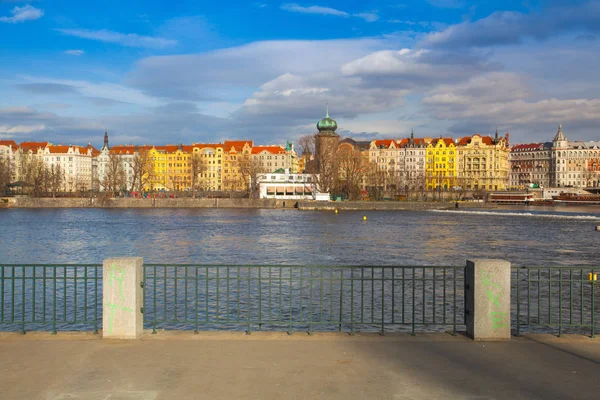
275	366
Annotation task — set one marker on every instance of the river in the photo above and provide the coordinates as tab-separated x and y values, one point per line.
534	236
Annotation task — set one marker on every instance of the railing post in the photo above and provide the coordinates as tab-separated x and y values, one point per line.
487	294
122	298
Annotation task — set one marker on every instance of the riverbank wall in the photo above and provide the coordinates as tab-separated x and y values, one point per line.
387	205
27	202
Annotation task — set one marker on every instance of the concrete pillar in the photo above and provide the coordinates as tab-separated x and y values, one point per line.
487	299
122	298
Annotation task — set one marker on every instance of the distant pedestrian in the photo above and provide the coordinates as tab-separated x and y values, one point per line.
456	205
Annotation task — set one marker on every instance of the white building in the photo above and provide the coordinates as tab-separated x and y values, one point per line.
575	163
402	159
284	185
272	158
126	155
9	152
75	163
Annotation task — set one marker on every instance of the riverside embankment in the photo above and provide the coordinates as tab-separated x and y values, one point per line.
28	202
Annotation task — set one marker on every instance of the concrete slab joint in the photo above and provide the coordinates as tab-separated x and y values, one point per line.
122	298
487	299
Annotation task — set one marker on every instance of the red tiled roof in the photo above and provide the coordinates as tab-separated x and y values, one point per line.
9	143
269	149
58	149
527	147
448	141
384	143
127	149
487	140
238	145
26	146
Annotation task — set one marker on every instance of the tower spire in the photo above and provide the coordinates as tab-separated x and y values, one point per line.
327	110
105	140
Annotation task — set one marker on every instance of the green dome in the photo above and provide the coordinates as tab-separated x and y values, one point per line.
327	124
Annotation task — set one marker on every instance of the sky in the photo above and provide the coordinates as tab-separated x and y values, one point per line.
157	72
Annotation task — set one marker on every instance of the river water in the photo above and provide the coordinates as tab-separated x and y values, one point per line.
537	236
200	298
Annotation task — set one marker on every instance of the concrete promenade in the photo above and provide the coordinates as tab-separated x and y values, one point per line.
231	365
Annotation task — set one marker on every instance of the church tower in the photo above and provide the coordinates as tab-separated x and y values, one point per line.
326	145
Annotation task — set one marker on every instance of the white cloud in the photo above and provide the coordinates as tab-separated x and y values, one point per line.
367	16
103	90
447	3
313	10
124	39
197	76
10	130
415	69
504	98
74	52
22	14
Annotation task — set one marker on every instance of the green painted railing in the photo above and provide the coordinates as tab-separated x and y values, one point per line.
51	297
305	298
559	299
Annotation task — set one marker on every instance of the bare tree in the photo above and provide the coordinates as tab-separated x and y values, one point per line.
351	172
142	166
33	173
376	182
306	145
5	175
55	178
114	178
251	168
198	167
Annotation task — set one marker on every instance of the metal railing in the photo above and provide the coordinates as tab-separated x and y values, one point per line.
559	299
303	298
51	297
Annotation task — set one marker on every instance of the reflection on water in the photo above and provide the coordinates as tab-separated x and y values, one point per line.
562	236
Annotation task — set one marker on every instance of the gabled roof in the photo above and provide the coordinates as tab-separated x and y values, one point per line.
447	141
268	149
58	149
384	143
238	145
487	140
9	143
127	149
33	146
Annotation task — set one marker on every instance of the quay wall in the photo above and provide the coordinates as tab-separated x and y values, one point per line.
27	202
387	205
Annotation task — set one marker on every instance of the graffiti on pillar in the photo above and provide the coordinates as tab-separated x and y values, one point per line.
116	275
499	318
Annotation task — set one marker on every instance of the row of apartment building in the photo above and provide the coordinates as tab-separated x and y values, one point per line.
471	162
219	166
482	162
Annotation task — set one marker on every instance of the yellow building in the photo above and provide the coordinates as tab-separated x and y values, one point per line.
237	155
483	162
441	164
172	168
210	159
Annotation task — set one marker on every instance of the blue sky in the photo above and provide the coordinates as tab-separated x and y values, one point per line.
161	72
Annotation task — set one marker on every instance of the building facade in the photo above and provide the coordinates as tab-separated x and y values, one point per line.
530	165
441	164
483	162
560	163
